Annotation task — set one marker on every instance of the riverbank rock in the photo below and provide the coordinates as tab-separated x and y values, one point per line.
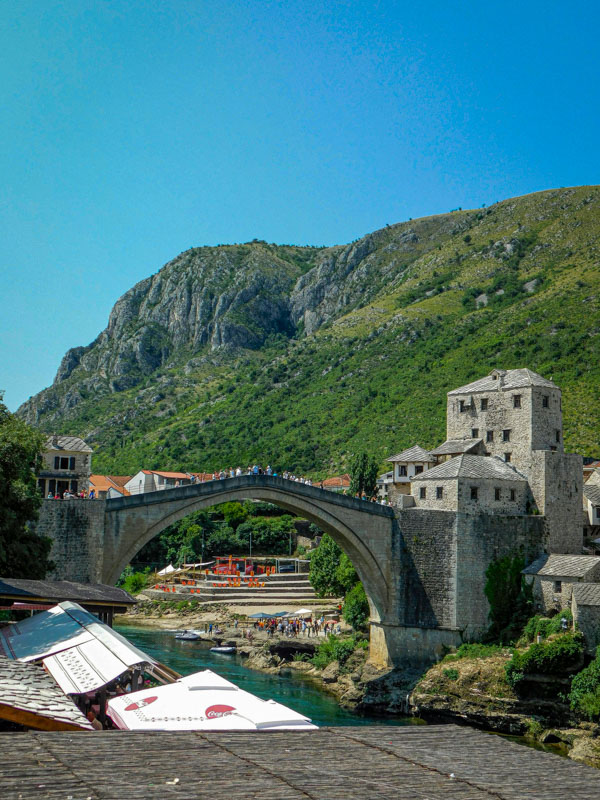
331	672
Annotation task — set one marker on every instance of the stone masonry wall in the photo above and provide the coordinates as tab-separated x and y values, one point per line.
556	481
481	539
76	528
426	589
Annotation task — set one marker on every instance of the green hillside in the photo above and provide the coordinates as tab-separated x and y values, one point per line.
399	318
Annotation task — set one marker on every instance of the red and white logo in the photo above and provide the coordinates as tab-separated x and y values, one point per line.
141	703
213	712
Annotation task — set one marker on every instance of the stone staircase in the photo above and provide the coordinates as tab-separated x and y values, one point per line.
282	589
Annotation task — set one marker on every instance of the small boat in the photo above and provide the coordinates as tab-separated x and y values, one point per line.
187	636
223	648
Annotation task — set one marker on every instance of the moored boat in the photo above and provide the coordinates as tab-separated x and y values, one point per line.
187	636
223	648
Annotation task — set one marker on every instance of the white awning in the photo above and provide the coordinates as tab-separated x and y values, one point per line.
167	570
202	701
85	668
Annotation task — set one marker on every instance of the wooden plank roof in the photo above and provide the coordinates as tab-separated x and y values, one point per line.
357	763
59	591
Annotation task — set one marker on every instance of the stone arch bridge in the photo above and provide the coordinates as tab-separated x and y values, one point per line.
423	571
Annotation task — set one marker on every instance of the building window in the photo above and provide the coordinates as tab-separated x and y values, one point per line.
513	495
545	401
558	436
439	492
496	493
506	435
418	469
484	402
474	492
474	433
64	462
553	448
557	587
598	511
516	401
489	436
422	493
462	406
402	471
507	457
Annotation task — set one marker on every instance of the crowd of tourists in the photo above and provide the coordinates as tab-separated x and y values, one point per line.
255	469
298	626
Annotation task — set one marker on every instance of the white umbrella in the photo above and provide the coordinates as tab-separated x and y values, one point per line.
301	612
202	701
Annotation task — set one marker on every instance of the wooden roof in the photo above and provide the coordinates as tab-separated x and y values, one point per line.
58	591
419	762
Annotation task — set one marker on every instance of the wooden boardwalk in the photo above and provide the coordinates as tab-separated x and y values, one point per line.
441	762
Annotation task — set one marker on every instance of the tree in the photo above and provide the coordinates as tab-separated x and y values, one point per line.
324	564
23	553
510	598
346	574
356	607
363	475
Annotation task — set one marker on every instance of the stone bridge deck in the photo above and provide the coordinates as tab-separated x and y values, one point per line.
212	489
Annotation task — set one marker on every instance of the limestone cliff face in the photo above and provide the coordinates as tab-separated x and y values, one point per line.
208	300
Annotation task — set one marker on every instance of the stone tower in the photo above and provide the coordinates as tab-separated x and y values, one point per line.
518	416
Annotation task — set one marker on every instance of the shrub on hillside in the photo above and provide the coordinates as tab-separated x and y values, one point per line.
335	648
476	650
585	690
560	656
546	626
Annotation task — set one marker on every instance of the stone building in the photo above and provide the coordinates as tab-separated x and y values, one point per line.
407	464
471	484
67	464
585	606
515	417
591	504
554	577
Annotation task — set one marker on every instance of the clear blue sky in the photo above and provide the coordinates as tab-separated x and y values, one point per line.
134	129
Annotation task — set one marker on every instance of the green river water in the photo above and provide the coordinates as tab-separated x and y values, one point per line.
292	688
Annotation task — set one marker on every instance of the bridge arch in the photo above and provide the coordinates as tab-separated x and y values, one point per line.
362	530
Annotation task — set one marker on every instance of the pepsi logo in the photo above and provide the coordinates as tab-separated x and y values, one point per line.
213	712
140	703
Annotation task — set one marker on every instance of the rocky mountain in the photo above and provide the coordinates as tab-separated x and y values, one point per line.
301	355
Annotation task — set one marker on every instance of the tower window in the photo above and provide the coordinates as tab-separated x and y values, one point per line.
462	406
516	401
484	403
474	492
545	401
474	433
439	492
402	471
558	436
496	493
513	495
489	436
506	435
422	493
507	457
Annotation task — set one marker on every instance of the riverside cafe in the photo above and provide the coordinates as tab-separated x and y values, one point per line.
63	669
